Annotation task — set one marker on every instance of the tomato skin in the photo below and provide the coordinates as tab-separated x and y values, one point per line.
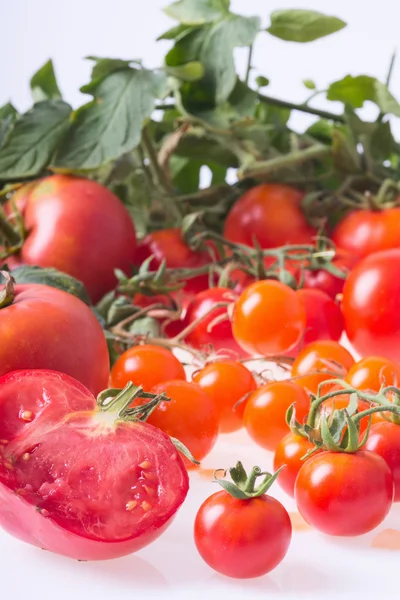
268	318
146	365
190	416
52	500
371	372
384	440
47	328
371	305
271	214
265	413
226	382
317	356
363	232
327	282
77	226
344	494
289	452
242	538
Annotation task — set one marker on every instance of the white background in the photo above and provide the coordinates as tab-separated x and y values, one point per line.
316	567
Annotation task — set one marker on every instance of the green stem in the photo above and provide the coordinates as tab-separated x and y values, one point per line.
263	168
7	231
7	294
249	67
301	107
388	78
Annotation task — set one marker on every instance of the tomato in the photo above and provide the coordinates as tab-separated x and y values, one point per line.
371	305
344	494
289	452
242	538
226	382
190	416
268	318
77	226
46	328
322	355
373	372
146	366
78	480
206	335
265	413
363	232
327	282
384	439
324	320
270	214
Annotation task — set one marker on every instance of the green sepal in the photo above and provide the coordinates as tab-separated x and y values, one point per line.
243	486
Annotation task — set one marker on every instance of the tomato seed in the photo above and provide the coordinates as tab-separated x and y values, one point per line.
151	491
26	456
130	505
26	415
8	465
150	476
145	464
146	506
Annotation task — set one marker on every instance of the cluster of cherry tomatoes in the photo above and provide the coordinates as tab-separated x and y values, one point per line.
95	478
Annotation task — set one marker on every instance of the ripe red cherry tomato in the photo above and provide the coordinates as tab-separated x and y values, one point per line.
373	372
371	305
268	318
384	439
78	480
289	452
322	355
344	494
270	214
46	328
327	282
190	416
146	366
265	413
77	226
226	382
363	232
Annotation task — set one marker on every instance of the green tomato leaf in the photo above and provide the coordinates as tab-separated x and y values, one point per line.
111	124
192	71
197	12
303	25
309	84
384	99
8	110
262	81
102	68
344	153
322	131
31	140
44	84
175	33
381	142
353	90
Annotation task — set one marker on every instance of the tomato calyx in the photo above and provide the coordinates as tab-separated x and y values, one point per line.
244	486
11	238
7	294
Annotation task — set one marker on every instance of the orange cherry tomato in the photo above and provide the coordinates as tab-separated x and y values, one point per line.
289	452
371	372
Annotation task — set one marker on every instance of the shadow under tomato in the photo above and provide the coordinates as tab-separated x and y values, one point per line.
264	583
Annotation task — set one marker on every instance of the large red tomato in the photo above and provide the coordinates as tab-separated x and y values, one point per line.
363	232
79	480
371	305
271	214
46	328
77	226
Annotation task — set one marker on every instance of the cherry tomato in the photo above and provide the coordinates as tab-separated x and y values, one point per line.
373	372
371	305
146	366
344	494
270	214
77	226
226	382
268	318
322	355
79	480
190	416
289	452
242	538
206	335
384	439
363	232
265	413
327	282
46	328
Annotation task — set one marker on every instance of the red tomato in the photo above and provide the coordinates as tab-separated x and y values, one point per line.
289	452
363	232
371	305
46	328
77	226
146	366
206	335
344	494
268	318
384	439
322	355
242	538
190	416
78	480
324	320
265	413
373	372
226	382
327	282
270	214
